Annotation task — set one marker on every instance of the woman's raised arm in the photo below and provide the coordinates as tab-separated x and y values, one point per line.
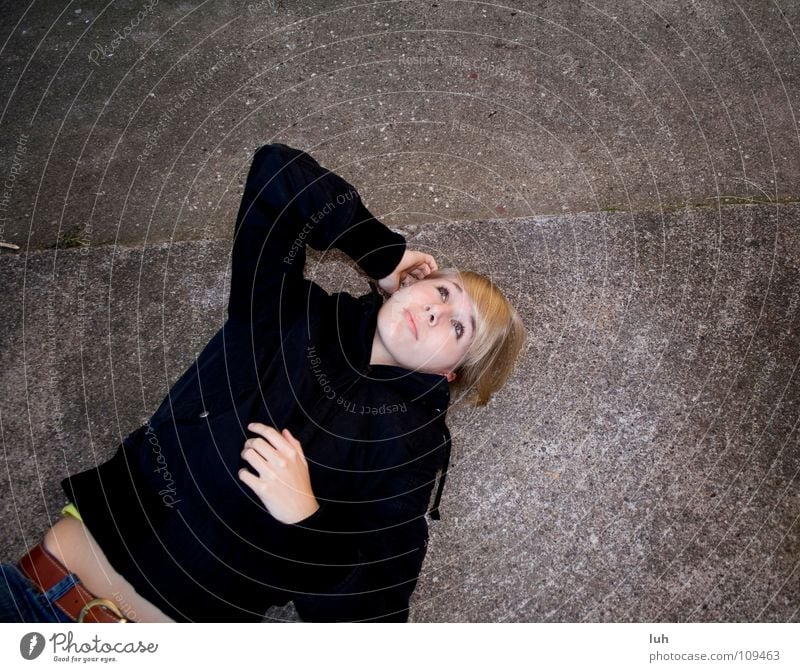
290	201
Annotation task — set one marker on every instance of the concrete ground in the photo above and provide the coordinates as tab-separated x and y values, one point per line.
628	172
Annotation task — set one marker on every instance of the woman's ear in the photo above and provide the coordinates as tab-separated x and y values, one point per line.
407	281
450	376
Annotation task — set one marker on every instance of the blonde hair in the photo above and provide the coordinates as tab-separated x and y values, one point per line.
499	337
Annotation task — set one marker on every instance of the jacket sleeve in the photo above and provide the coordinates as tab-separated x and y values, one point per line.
290	201
387	535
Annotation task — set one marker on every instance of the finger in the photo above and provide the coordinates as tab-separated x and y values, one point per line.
425	258
255	460
420	270
296	444
265	451
251	481
292	440
267	432
248	479
258	428
275	438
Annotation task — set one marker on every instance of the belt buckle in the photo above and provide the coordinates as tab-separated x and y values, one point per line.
101	602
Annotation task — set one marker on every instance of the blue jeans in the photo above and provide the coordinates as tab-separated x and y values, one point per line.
22	602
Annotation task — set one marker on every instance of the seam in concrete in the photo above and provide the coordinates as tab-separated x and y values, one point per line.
510	221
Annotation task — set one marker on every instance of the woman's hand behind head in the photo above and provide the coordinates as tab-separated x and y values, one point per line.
413	266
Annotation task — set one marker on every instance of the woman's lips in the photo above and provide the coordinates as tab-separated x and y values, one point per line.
412	324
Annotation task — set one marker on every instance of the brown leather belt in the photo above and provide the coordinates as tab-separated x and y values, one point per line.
78	603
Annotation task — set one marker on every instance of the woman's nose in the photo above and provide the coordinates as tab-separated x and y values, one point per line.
433	314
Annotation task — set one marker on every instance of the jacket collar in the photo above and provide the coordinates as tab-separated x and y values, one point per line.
431	389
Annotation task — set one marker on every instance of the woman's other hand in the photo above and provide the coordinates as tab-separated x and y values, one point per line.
283	483
413	266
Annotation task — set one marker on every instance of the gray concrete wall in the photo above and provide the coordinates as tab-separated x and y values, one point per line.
627	172
436	110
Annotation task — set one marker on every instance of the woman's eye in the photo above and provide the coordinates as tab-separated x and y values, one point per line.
444	292
459	329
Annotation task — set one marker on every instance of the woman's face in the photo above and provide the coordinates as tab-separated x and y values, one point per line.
427	326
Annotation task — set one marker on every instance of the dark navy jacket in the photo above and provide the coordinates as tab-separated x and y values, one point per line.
169	509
